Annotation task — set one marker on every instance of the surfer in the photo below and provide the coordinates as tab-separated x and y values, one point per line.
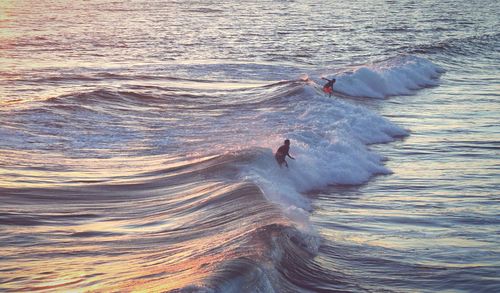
282	152
328	87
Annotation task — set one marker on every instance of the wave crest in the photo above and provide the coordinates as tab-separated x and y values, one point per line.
397	76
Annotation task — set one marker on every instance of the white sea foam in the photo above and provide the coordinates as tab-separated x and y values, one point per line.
329	139
397	76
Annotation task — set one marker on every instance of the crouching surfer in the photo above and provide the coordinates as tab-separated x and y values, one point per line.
328	87
282	152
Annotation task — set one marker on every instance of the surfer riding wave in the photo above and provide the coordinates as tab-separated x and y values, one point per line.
282	152
328	87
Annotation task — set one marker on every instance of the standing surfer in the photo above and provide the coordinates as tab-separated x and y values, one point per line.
282	152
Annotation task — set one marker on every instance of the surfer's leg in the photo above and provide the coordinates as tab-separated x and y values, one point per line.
279	159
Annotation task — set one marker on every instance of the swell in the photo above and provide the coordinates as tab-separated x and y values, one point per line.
458	46
107	77
189	96
162	229
160	118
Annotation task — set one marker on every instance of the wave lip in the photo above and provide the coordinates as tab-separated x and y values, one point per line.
396	76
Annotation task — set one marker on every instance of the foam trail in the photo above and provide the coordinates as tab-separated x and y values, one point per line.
396	76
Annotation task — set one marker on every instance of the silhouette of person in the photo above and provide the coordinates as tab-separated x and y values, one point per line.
282	152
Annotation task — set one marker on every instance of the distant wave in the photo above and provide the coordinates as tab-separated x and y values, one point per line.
464	46
396	76
187	95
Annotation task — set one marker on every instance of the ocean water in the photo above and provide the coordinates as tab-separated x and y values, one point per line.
137	140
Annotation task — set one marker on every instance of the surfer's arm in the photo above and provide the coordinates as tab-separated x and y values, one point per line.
288	154
333	80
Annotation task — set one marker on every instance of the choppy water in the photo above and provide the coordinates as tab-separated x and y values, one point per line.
137	139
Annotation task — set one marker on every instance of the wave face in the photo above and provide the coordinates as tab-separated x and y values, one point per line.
138	155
